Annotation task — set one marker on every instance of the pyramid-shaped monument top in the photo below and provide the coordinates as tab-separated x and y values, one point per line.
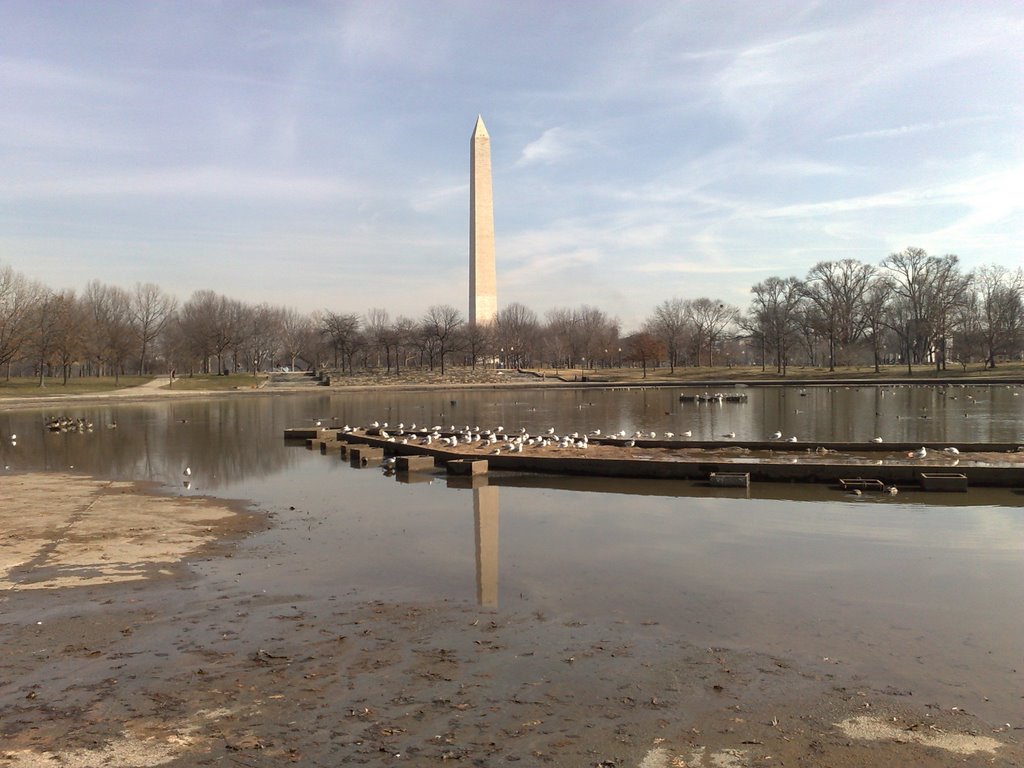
480	129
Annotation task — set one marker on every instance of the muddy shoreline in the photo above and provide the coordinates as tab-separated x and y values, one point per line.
124	650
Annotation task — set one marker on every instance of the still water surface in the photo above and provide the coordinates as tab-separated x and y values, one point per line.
920	591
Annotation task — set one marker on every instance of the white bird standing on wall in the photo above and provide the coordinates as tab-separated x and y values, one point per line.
920	453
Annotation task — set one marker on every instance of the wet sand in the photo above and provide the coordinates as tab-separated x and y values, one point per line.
118	652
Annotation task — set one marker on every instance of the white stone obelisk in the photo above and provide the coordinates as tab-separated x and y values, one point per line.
483	280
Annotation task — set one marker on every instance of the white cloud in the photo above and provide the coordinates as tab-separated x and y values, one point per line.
553	146
906	130
689	268
191	183
438	198
35	74
991	197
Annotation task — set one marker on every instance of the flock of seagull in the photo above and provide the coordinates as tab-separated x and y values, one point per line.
499	441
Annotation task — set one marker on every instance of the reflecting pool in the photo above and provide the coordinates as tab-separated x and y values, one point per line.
922	589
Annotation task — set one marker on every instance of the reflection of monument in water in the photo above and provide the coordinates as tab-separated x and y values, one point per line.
483	281
485	524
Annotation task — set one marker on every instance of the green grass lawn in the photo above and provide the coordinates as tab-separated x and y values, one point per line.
754	373
29	387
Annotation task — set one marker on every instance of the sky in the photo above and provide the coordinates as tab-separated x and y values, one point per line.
316	154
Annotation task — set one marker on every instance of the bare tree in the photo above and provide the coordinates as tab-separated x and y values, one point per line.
111	334
476	339
517	328
151	310
670	323
210	325
559	337
377	324
711	318
925	292
440	326
594	331
341	330
17	298
837	289
774	311
403	332
1000	295
298	337
948	289
45	323
262	333
876	303
193	333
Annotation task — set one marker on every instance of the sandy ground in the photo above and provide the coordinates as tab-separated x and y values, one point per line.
117	653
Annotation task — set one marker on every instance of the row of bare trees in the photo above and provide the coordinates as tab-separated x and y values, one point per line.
108	330
911	307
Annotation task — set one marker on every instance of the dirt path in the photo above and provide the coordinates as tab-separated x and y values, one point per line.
117	653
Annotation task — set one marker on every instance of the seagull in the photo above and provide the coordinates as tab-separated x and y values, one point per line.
630	443
876	439
777	435
920	453
730	435
951	451
187	472
687	433
792	439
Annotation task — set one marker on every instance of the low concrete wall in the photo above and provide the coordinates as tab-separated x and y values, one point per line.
805	467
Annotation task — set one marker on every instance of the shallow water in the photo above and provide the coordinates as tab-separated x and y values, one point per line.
920	590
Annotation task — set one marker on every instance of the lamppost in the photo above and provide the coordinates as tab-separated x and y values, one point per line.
501	358
620	357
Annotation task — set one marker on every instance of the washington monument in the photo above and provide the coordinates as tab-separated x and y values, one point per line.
483	281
